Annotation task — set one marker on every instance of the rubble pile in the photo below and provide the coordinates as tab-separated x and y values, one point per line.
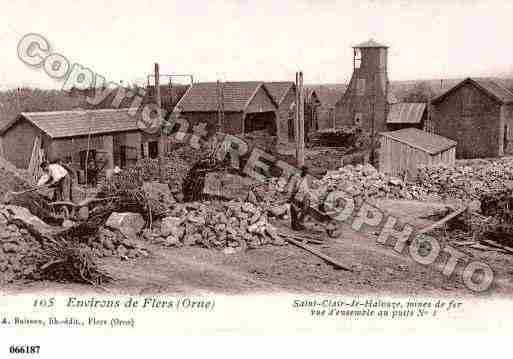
262	140
11	179
466	182
29	248
351	137
497	207
19	250
320	160
364	182
109	243
118	235
231	226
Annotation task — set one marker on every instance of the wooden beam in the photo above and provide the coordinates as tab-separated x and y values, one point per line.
319	254
442	221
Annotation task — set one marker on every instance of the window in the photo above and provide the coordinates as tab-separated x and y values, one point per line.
382	58
360	87
357	58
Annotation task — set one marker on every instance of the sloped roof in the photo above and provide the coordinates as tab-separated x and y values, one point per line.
170	95
369	44
492	88
422	140
278	89
329	96
59	124
404	112
203	96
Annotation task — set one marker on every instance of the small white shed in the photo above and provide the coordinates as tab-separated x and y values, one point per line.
403	151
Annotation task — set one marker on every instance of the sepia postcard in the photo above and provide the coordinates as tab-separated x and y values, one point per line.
274	178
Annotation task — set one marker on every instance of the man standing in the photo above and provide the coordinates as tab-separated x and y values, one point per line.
56	176
299	200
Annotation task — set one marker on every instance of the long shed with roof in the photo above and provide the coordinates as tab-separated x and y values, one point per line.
230	107
403	151
71	136
478	114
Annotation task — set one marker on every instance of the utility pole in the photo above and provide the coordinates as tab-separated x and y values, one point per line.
220	106
159	106
373	119
300	121
429	125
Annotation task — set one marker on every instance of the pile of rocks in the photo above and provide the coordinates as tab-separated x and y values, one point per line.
11	178
466	182
364	181
120	237
18	250
113	243
22	254
231	226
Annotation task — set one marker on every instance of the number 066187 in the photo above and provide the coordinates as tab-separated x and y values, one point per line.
24	349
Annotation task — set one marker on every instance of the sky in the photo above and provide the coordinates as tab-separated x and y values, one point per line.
237	40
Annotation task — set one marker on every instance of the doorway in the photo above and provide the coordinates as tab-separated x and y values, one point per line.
153	149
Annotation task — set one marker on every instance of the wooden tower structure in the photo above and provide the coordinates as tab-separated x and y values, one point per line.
365	102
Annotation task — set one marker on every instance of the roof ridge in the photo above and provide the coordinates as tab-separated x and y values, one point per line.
481	83
76	111
393	134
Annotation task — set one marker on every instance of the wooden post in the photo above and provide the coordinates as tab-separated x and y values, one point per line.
428	127
218	99
159	105
90	120
108	146
300	121
220	106
373	120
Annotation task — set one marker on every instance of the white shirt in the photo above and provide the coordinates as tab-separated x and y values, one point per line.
55	172
302	187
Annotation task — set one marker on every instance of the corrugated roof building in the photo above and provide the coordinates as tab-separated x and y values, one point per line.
403	151
403	115
478	114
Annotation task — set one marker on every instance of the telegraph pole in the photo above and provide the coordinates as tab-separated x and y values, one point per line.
373	119
220	106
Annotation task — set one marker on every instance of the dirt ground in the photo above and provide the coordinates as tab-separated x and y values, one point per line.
377	269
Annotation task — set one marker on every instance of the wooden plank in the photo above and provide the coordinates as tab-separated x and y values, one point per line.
490	243
300	237
319	254
443	221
